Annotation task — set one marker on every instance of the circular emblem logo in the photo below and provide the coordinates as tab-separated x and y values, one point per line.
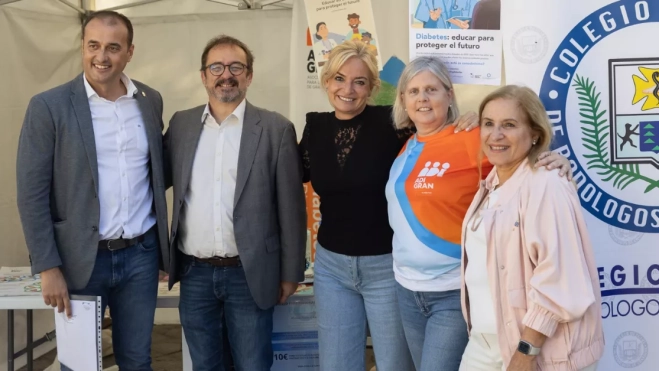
529	44
603	103
623	236
630	349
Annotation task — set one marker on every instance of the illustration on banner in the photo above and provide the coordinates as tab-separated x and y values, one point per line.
333	22
464	34
614	136
458	14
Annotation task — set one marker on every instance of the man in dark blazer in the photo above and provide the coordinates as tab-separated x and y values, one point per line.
91	189
238	231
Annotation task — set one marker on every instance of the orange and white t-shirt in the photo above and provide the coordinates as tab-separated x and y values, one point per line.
431	184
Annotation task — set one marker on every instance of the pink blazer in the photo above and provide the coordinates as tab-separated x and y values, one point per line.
541	268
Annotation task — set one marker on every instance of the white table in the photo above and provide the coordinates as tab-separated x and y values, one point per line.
30	303
166	299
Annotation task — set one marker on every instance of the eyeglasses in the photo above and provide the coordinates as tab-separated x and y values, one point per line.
235	68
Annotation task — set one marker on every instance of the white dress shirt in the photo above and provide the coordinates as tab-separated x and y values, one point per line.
122	153
206	221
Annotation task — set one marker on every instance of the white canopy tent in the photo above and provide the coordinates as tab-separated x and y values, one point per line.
40	40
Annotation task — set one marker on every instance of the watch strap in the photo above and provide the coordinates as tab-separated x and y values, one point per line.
527	348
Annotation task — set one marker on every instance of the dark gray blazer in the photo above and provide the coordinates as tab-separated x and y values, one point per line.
269	208
57	179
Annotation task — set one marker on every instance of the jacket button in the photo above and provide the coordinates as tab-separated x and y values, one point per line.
501	267
95	228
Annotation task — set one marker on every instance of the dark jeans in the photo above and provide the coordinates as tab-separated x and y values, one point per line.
214	297
127	281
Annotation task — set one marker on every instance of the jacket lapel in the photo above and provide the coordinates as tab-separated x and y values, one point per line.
249	142
189	143
80	104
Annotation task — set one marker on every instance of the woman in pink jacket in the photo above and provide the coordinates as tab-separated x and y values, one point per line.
530	292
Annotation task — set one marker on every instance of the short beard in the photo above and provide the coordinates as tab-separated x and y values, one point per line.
230	98
224	98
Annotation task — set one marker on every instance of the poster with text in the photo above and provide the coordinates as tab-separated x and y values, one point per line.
595	66
332	22
464	34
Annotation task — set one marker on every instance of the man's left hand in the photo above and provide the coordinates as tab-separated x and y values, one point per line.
286	289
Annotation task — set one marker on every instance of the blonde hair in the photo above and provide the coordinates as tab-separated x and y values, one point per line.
352	49
418	65
529	103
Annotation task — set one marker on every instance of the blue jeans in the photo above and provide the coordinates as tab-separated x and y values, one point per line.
350	291
212	297
127	281
435	329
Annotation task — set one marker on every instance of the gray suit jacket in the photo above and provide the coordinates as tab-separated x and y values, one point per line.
269	208
57	179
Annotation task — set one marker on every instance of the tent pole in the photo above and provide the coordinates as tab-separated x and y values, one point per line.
252	4
224	2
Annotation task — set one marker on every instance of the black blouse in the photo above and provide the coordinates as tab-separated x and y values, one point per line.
348	163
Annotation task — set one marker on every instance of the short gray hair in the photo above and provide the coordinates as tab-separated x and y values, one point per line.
421	64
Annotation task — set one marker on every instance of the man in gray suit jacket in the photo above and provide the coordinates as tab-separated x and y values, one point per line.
238	231
91	189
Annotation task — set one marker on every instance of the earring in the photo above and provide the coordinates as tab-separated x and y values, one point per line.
534	141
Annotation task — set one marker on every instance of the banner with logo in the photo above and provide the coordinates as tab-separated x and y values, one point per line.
595	65
331	22
463	33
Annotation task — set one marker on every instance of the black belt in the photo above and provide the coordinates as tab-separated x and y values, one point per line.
217	261
119	243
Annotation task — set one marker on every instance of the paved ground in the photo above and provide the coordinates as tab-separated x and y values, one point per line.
166	352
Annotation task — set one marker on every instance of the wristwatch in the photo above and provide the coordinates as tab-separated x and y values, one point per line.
527	348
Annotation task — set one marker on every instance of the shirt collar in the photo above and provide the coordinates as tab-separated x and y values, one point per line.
131	89
239	112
